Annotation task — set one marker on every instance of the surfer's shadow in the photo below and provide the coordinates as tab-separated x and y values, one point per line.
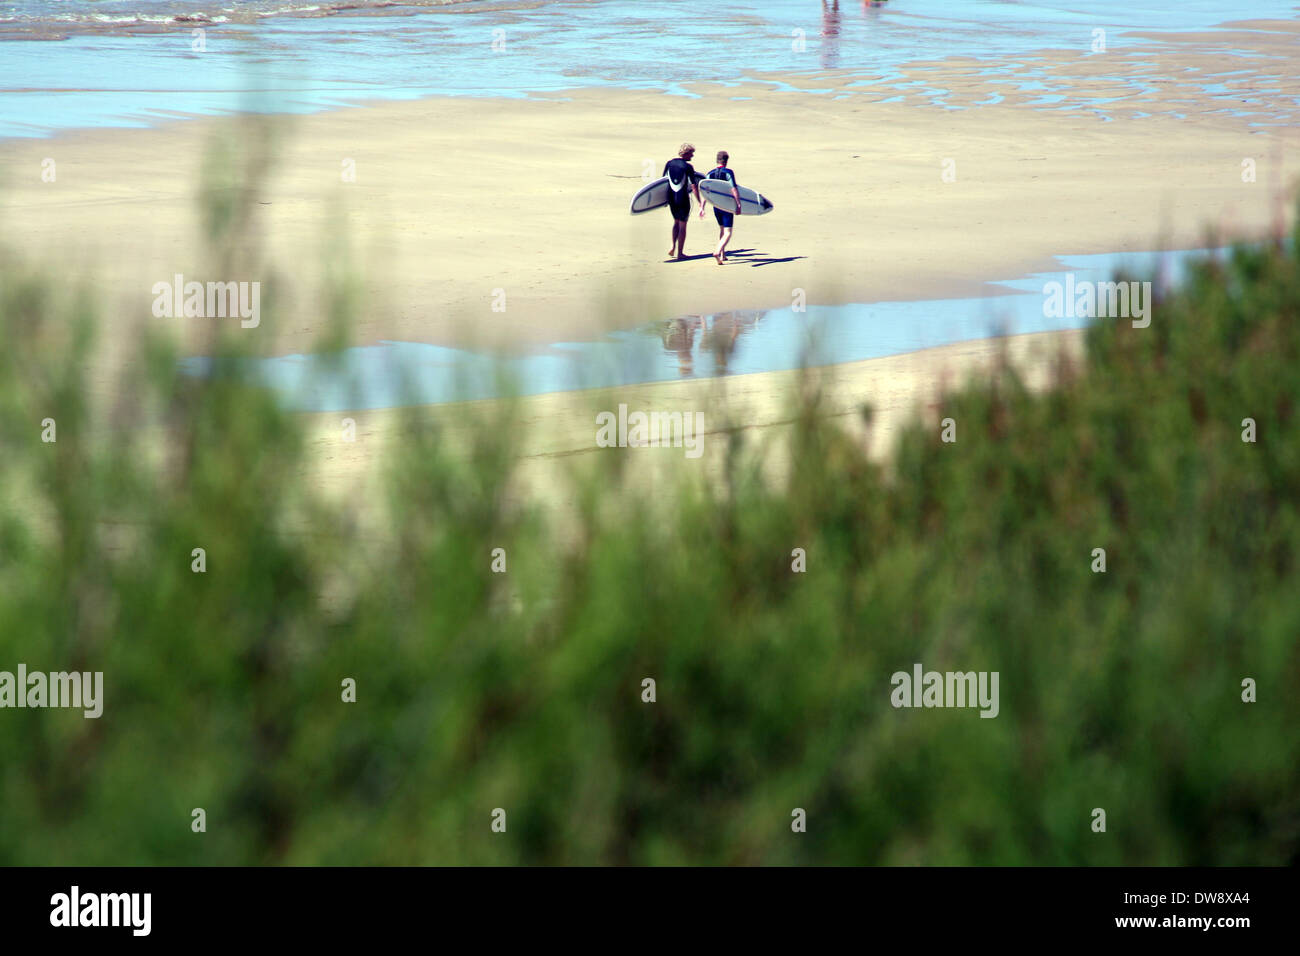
752	257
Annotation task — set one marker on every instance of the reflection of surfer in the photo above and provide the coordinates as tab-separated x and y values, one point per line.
830	34
679	337
720	339
719	335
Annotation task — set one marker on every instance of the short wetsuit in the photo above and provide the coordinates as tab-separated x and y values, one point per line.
722	172
681	176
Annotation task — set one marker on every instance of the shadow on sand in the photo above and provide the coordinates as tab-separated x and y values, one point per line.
752	257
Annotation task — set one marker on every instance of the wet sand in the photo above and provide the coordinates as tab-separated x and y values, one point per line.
558	431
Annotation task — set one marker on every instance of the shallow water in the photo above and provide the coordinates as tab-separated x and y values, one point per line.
75	63
394	374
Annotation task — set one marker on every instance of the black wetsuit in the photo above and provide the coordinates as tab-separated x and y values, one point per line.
681	176
722	172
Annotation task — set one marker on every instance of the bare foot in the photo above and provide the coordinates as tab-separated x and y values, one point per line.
719	259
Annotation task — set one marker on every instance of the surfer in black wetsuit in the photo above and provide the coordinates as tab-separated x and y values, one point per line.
722	172
681	175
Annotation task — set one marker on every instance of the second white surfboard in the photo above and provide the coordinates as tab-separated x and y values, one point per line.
718	192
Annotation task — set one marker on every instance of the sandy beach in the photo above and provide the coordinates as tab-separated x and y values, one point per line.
502	223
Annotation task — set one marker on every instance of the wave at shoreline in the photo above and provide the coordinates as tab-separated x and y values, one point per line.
52	20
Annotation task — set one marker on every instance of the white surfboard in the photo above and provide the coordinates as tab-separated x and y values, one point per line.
650	196
718	192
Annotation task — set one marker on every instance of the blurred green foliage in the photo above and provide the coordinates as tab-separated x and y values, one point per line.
522	690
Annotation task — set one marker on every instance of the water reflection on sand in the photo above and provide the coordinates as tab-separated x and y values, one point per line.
718	333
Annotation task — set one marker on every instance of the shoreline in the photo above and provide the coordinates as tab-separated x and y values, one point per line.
559	429
1248	43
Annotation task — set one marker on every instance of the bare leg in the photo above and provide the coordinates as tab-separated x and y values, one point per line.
724	237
